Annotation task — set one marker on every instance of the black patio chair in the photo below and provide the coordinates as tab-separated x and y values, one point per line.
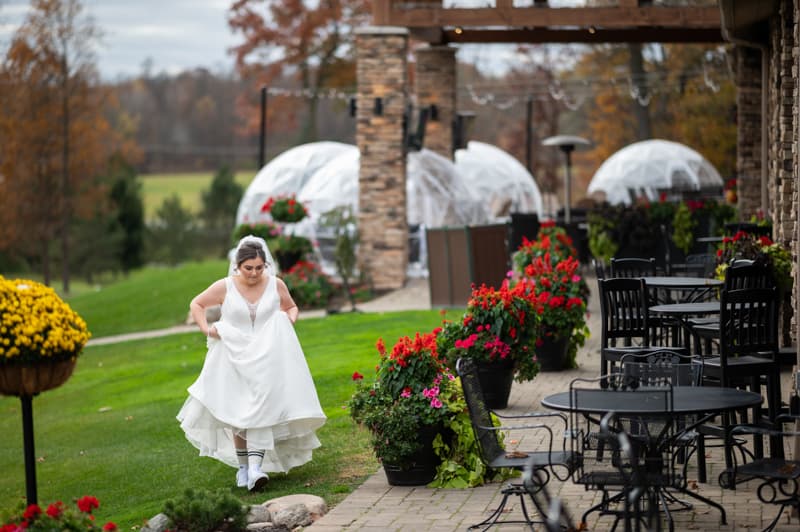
545	461
748	353
779	478
555	516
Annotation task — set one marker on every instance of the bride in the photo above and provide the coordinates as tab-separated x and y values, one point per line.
254	405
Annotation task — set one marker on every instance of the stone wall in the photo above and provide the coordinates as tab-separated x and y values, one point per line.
783	99
436	85
381	73
748	140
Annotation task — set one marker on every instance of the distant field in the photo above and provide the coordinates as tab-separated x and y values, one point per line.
188	186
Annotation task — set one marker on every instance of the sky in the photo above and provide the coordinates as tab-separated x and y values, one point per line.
176	35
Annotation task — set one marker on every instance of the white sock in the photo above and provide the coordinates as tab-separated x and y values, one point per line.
254	458
241	456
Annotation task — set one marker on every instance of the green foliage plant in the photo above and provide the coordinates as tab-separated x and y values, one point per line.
265	230
343	223
308	284
601	239
206	511
745	245
683	228
126	194
173	234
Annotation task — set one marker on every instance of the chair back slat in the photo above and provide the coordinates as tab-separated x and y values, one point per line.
661	367
480	414
742	274
633	267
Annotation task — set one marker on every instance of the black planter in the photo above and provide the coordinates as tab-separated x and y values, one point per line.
287	259
495	379
422	468
552	353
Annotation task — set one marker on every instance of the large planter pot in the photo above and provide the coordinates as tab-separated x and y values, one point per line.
422	469
32	378
496	379
551	353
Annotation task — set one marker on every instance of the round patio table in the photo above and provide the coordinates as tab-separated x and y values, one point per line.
686	400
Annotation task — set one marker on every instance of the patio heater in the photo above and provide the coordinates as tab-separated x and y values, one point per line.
567	144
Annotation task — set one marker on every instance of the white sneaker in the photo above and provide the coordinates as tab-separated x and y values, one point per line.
241	477
256	479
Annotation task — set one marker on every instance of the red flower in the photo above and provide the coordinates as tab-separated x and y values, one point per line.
55	510
381	346
357	376
88	503
31	512
109	527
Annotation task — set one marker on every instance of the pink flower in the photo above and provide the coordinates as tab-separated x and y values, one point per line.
436	403
406	392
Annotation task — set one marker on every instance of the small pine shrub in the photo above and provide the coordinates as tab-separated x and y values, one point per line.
205	511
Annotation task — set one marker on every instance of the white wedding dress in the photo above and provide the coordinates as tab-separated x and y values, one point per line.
254	379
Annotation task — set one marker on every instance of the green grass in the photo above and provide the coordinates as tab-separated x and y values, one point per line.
150	298
188	186
111	432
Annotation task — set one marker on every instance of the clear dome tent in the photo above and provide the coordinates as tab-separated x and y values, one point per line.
286	174
645	168
500	178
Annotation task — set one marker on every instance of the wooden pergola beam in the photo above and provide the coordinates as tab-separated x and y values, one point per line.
423	14
572	35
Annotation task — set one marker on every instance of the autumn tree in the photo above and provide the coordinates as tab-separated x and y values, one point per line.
309	43
55	137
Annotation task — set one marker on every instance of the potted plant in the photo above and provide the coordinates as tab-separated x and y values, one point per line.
550	239
498	331
410	401
284	209
308	284
561	294
289	250
40	338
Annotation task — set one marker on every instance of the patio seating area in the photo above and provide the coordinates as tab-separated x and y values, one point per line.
376	505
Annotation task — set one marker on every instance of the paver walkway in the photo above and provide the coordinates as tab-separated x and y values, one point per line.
376	506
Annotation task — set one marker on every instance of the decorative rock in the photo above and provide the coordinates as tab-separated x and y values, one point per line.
266	527
316	505
292	517
157	523
258	514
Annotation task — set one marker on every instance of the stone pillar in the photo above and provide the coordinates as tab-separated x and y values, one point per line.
435	84
784	186
381	98
748	132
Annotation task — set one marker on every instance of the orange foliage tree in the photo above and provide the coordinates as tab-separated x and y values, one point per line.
55	136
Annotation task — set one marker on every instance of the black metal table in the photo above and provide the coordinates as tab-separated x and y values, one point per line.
692	288
690	407
681	312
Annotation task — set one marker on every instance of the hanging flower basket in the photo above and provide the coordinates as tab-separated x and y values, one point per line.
33	378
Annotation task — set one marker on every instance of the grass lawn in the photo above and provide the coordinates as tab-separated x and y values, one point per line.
188	186
111	432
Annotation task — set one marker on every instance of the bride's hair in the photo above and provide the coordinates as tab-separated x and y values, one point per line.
249	250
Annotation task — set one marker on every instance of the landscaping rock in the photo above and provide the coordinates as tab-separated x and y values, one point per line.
316	505
292	517
266	527
157	523
259	514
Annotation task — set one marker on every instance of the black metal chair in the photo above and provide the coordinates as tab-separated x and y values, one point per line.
779	478
633	267
695	265
603	466
625	319
494	454
555	516
748	352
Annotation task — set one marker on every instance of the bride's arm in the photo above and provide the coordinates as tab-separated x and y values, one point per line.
211	296
287	303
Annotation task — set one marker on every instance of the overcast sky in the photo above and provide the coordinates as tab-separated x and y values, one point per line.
176	34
